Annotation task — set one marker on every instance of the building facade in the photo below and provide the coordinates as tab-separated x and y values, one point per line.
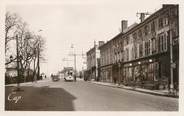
145	54
112	54
93	56
106	61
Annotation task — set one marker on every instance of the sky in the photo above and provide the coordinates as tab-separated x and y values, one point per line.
79	23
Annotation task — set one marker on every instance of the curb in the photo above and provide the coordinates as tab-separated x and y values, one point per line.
135	89
26	83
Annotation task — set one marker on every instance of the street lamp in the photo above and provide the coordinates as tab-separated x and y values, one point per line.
18	60
150	60
139	63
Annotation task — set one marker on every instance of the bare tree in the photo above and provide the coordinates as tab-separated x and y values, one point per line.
11	22
30	46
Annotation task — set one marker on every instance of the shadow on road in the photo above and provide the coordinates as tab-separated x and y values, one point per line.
38	99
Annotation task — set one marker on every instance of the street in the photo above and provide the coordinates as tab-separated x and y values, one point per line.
83	96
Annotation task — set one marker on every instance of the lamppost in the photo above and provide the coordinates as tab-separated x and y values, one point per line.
171	60
18	60
74	54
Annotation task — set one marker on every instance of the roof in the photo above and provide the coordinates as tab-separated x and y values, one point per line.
91	50
149	18
126	30
130	27
136	25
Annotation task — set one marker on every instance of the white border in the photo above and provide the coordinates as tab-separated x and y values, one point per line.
89	113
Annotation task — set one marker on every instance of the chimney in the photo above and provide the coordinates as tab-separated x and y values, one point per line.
167	5
101	43
124	25
142	17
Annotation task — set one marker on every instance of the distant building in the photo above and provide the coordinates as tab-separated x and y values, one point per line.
11	75
106	61
93	56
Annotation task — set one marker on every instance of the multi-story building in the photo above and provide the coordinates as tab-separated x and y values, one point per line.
146	53
148	60
112	56
106	62
93	56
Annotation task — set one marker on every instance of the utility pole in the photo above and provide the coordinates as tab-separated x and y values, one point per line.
18	58
75	67
75	60
65	59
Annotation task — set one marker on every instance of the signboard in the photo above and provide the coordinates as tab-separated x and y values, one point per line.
173	65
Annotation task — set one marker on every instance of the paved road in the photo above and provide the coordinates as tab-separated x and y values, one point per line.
84	96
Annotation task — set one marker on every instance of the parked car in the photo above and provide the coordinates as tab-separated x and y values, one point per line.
55	77
69	78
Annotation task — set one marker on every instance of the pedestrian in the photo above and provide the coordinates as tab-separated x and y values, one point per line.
114	80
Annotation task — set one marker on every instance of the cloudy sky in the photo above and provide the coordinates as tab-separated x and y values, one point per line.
79	22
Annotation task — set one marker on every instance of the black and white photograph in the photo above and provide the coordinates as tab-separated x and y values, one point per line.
91	55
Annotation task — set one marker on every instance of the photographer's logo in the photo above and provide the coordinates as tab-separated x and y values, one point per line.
12	97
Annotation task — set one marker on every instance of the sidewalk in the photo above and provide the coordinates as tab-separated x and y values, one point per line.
153	92
28	83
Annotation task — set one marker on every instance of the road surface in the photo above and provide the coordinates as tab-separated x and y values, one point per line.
82	96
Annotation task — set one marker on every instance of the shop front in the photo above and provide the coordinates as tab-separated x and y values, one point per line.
149	73
106	74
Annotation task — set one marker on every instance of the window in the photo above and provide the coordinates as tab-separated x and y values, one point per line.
153	26
127	54
165	43
174	32
135	36
174	12
122	53
153	45
140	34
162	39
162	42
126	42
115	59
166	22
146	48
132	53
141	50
159	40
160	23
149	42
146	30
135	51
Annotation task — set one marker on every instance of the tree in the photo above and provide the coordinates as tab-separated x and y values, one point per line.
30	46
11	22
